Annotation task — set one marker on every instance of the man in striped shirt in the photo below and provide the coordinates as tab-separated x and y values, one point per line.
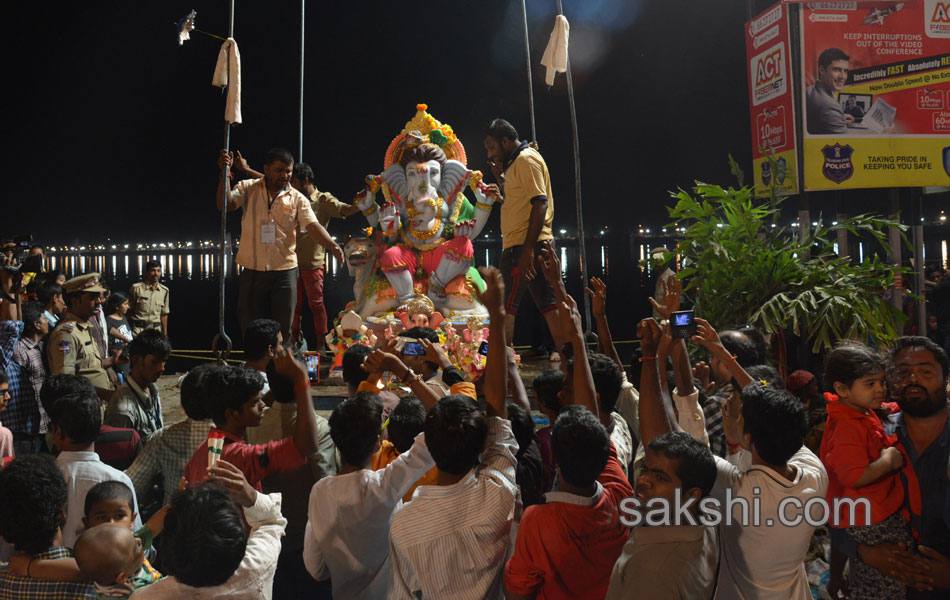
452	539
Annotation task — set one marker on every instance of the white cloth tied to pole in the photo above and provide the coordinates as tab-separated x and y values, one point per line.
555	54
227	73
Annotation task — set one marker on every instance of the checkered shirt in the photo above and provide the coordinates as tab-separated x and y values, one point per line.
13	587
166	452
29	355
17	416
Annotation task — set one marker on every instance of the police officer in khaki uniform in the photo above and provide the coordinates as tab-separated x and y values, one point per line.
148	302
71	349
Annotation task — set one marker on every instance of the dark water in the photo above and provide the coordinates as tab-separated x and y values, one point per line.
191	273
192	277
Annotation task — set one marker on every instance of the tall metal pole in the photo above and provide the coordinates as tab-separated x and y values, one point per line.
221	345
527	61
303	52
894	241
581	240
920	281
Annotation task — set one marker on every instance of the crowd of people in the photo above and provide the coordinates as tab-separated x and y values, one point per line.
709	478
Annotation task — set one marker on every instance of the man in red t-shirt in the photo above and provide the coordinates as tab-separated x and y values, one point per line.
567	547
236	403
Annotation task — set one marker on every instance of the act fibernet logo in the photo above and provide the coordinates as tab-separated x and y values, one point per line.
768	74
937	18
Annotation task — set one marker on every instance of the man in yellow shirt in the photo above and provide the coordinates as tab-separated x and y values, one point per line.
527	215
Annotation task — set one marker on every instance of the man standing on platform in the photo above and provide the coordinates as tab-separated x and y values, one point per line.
273	212
527	214
311	256
148	301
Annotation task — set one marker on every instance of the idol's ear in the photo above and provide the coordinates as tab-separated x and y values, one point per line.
395	177
454	178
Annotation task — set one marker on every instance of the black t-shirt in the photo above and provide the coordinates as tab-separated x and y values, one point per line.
123	326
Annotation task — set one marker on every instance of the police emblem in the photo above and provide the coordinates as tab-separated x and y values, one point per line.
64	346
838	166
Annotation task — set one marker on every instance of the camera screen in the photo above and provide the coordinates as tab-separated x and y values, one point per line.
483	349
413	349
683	319
313	363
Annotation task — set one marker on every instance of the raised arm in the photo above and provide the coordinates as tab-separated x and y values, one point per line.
570	329
380	361
225	160
682	370
515	384
656	413
305	429
707	337
605	341
365	201
496	367
241	164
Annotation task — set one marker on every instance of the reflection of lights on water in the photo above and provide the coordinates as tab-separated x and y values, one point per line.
860	252
126	262
943	253
487	262
141	261
603	259
82	263
188	264
836	247
563	261
115	262
643	255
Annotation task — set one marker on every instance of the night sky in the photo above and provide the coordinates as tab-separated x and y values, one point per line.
112	128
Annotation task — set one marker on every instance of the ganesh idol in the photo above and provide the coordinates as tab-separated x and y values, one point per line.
426	223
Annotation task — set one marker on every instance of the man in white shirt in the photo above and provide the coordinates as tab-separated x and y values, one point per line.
273	213
347	535
767	559
761	556
452	539
206	552
75	420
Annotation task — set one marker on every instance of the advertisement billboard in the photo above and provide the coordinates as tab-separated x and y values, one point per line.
771	101
876	94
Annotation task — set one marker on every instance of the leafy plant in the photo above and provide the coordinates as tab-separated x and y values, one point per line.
741	267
